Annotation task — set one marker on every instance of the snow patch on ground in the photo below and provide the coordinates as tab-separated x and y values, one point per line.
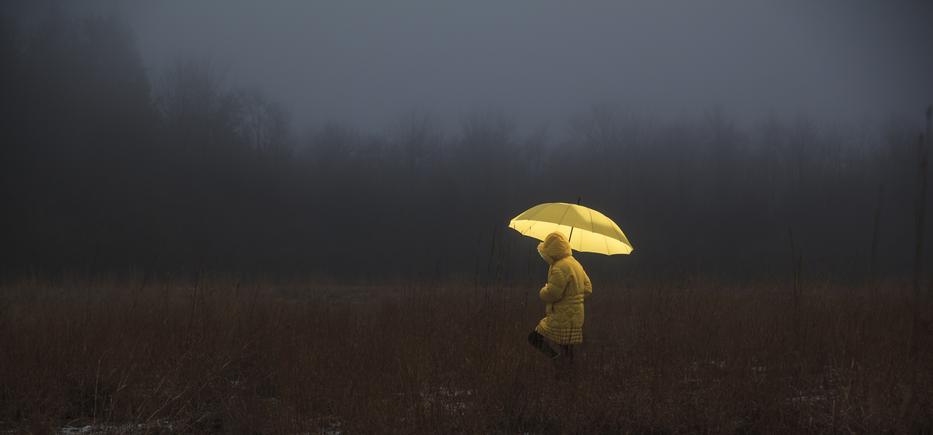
127	428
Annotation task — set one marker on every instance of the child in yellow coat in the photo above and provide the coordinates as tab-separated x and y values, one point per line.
567	287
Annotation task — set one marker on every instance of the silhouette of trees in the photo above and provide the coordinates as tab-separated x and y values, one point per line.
105	168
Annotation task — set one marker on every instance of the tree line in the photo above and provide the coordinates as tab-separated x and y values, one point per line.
106	166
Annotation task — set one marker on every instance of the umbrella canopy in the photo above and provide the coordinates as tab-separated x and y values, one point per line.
588	229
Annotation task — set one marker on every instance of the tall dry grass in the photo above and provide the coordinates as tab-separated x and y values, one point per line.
218	355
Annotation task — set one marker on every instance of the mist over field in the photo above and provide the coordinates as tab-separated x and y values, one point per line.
365	140
191	190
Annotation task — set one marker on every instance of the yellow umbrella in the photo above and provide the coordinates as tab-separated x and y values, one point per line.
588	229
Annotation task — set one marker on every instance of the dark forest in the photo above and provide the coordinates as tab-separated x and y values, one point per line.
107	169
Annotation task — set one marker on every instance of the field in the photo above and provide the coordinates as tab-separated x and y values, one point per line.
220	355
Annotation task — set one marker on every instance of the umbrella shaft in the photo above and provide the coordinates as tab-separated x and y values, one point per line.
579	199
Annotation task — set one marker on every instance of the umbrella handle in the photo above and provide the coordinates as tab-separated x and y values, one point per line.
570	237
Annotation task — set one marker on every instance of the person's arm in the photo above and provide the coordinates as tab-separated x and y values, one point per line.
587	286
553	291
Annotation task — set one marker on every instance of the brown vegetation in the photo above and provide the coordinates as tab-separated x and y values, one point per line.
221	355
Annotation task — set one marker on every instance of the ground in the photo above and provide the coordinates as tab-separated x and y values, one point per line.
222	355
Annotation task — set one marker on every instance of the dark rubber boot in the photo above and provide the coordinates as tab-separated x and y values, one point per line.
563	364
537	341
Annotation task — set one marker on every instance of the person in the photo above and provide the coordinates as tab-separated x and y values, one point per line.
567	287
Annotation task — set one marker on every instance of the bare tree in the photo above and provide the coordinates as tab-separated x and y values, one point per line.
417	135
263	125
197	107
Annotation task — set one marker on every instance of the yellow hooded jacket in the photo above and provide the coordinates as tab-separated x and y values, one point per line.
567	287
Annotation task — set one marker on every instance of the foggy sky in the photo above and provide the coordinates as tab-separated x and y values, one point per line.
366	62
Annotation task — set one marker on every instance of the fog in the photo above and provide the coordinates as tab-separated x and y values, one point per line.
366	61
371	140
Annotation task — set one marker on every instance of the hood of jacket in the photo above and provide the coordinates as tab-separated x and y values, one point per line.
554	247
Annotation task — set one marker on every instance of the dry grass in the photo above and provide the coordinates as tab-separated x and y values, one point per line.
229	357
